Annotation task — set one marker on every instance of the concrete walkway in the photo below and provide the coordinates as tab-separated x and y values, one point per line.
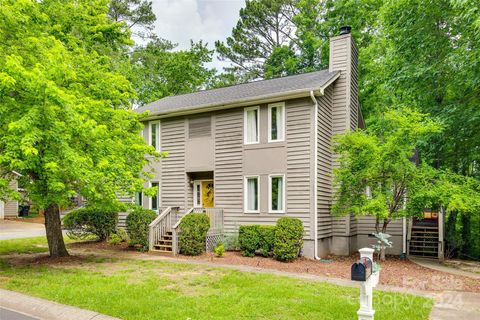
10	229
20	306
435	265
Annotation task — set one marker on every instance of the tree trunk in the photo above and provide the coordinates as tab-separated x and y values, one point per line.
382	247
56	246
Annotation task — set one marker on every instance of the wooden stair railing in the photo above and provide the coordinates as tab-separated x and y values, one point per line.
160	230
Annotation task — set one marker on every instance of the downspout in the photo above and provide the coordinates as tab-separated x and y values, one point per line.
315	180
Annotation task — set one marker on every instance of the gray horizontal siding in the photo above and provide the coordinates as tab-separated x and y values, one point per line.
228	173
366	225
173	177
324	164
299	115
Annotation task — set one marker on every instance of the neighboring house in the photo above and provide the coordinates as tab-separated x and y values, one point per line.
9	209
255	152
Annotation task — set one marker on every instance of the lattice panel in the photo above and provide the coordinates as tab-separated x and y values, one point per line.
213	240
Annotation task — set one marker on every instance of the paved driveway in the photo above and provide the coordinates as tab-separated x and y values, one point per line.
15	229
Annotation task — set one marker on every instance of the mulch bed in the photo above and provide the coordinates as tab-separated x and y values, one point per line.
395	272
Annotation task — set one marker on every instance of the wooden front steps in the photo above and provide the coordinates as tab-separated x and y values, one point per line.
165	244
424	241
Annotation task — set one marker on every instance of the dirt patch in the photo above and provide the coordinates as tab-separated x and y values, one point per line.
103	245
43	259
395	272
470	266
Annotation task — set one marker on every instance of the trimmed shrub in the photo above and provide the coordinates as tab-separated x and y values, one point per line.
84	222
254	238
114	239
137	226
249	239
193	233
267	236
219	250
288	239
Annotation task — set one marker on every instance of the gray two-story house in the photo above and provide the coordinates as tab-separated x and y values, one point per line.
258	151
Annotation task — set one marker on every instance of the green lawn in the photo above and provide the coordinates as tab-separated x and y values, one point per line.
134	289
26	245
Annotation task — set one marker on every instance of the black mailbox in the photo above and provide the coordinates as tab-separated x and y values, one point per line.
362	269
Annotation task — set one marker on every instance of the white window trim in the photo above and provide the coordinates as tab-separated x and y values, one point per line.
195	184
150	134
245	111
284	193
158	196
281	106
245	193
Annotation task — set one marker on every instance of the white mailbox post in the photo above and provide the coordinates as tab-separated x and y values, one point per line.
366	311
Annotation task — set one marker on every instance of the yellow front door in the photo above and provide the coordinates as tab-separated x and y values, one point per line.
207	194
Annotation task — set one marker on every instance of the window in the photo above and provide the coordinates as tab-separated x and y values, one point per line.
251	120
154	199
154	138
252	194
197	194
276	122
138	198
276	194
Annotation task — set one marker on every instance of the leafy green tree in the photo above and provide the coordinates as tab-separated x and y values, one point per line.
428	56
137	15
376	175
158	71
65	120
264	26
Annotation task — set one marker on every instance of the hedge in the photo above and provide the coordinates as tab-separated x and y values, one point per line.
193	233
288	239
83	222
254	238
137	226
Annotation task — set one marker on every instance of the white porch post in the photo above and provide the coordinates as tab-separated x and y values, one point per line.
441	234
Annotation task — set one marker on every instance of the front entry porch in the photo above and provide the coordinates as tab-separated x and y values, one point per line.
164	231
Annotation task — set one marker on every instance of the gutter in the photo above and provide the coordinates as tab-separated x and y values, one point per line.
315	180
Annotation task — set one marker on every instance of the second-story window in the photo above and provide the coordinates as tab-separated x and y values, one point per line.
154	138
276	122
251	120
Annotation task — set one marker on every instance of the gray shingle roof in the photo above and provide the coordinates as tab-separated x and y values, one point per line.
241	92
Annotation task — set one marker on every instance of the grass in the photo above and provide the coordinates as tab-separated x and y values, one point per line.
26	245
136	289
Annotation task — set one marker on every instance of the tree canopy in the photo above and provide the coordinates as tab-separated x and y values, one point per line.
65	118
380	175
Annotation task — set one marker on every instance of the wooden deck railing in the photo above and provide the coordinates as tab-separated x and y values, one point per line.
161	225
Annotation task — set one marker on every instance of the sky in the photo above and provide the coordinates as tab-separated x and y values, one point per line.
208	20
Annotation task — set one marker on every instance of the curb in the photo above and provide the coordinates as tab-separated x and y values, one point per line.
44	309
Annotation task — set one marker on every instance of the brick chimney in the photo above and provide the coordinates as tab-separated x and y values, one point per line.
344	58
